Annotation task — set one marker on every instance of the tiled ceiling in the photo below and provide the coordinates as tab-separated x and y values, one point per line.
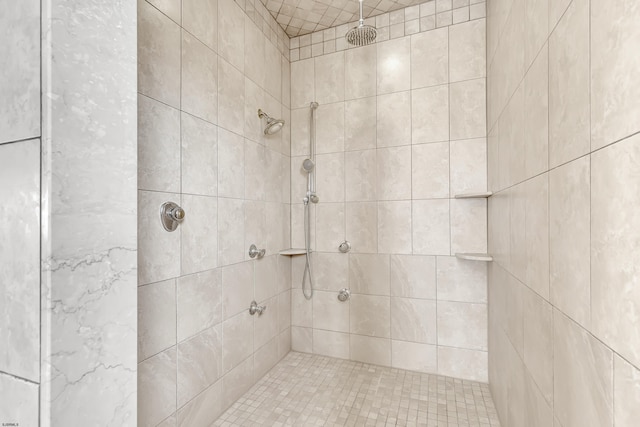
299	17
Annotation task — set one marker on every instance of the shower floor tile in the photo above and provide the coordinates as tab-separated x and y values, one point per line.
310	390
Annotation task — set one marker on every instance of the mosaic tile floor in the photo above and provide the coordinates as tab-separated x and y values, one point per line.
311	390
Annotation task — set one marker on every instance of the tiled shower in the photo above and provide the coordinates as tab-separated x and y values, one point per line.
505	130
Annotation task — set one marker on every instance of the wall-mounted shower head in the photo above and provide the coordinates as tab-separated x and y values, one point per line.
273	125
308	165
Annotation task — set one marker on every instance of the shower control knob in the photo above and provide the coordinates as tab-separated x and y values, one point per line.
177	213
171	215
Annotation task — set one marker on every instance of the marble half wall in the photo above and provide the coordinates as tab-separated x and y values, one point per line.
89	210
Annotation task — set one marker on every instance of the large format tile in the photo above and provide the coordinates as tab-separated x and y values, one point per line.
20	75
158	55
393	65
413	320
369	315
393	124
156	318
615	84
626	393
199	363
199	302
462	325
369	274
360	72
431	230
200	18
362	226
155	261
231	98
360	123
583	376
158	146
20	255
467	50
199	82
329	313
199	233
569	86
569	245
231	43
468	112
430	171
330	78
394	227
430	114
414	356
430	58
461	280
199	156
536	109
157	388
413	276
615	294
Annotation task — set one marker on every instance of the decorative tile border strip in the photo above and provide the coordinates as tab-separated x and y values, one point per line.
399	23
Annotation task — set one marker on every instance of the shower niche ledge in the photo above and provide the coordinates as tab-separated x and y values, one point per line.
483	195
293	251
474	256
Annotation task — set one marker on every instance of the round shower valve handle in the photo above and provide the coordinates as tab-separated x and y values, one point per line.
177	213
171	215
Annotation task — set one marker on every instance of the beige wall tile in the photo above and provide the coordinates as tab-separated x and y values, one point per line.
230	247
569	244
154	262
626	392
360	72
468	166
199	156
537	234
199	87
237	288
394	227
569	85
413	320
468	225
360	174
393	175
467	51
301	339
157	388
230	164
360	123
369	315
330	219
158	55
330	177
414	356
538	342
237	382
199	363
231	98
200	18
615	297
615	89
199	233
330	78
461	280
430	114
462	325
330	128
156	318
393	125
536	109
462	363
431	232
583	376
369	274
329	313
393	65
370	349
430	170
199	302
254	53
468	109
204	408
413	276
362	226
332	344
430	58
158	146
231	33
302	83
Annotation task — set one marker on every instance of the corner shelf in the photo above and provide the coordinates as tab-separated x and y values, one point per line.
293	251
474	195
474	257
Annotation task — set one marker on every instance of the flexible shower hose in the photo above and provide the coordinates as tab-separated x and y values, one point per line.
307	246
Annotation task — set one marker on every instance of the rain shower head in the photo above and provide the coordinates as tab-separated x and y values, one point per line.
273	125
361	35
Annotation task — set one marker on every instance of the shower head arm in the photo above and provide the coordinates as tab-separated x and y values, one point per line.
361	15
